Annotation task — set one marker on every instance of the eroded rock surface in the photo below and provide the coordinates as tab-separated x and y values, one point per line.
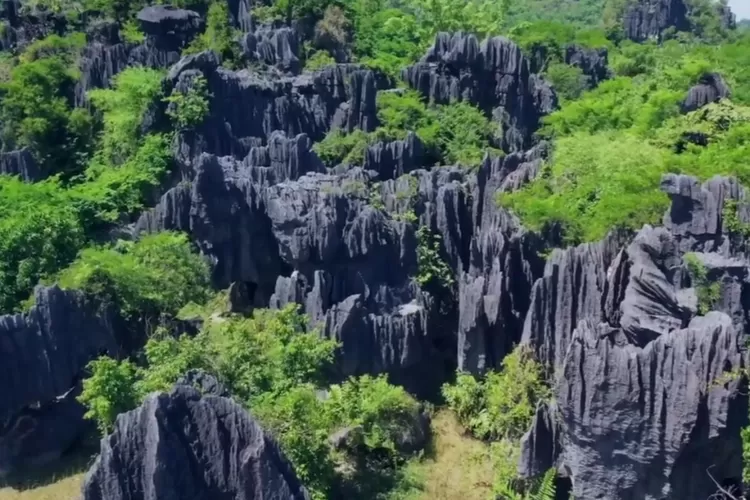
493	75
188	446
43	354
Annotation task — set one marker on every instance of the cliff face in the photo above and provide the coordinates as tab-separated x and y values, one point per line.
228	454
43	354
645	401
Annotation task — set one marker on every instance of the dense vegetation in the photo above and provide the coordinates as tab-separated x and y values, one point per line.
611	145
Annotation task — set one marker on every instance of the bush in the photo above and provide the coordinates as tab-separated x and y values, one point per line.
109	391
158	273
432	269
381	409
594	183
188	109
219	36
123	106
502	405
569	82
39	233
338	147
36	112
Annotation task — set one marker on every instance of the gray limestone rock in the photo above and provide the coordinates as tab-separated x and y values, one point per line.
710	88
43	354
648	19
648	423
181	445
493	75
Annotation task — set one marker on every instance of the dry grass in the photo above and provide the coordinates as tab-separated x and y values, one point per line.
457	467
60	482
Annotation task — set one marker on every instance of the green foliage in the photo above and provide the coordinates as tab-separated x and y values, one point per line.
503	403
613	144
269	353
708	292
731	222
338	147
318	59
219	36
109	192
132	33
39	233
432	269
594	183
109	391
189	109
36	109
543	489
123	106
381	409
273	364
158	273
569	81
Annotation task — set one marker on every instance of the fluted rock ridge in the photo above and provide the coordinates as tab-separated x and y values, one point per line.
493	75
228	454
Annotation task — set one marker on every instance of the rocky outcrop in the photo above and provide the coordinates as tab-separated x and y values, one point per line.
593	63
494	75
20	163
502	264
648	19
647	400
710	88
246	107
184	445
393	159
278	47
43	354
22	24
570	290
625	409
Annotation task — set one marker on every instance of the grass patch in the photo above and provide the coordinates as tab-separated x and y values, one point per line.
455	466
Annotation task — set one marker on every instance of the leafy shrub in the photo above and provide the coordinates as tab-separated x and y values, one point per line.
381	409
132	33
219	36
594	183
108	192
501	405
338	147
123	106
36	112
708	292
39	233
158	273
189	109
318	59
432	269
270	352
568	81
109	391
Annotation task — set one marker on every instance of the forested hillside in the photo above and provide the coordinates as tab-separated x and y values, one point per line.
374	249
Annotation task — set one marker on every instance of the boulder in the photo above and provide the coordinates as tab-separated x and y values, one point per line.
710	88
186	445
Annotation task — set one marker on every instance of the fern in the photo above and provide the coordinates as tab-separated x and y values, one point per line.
546	488
543	489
